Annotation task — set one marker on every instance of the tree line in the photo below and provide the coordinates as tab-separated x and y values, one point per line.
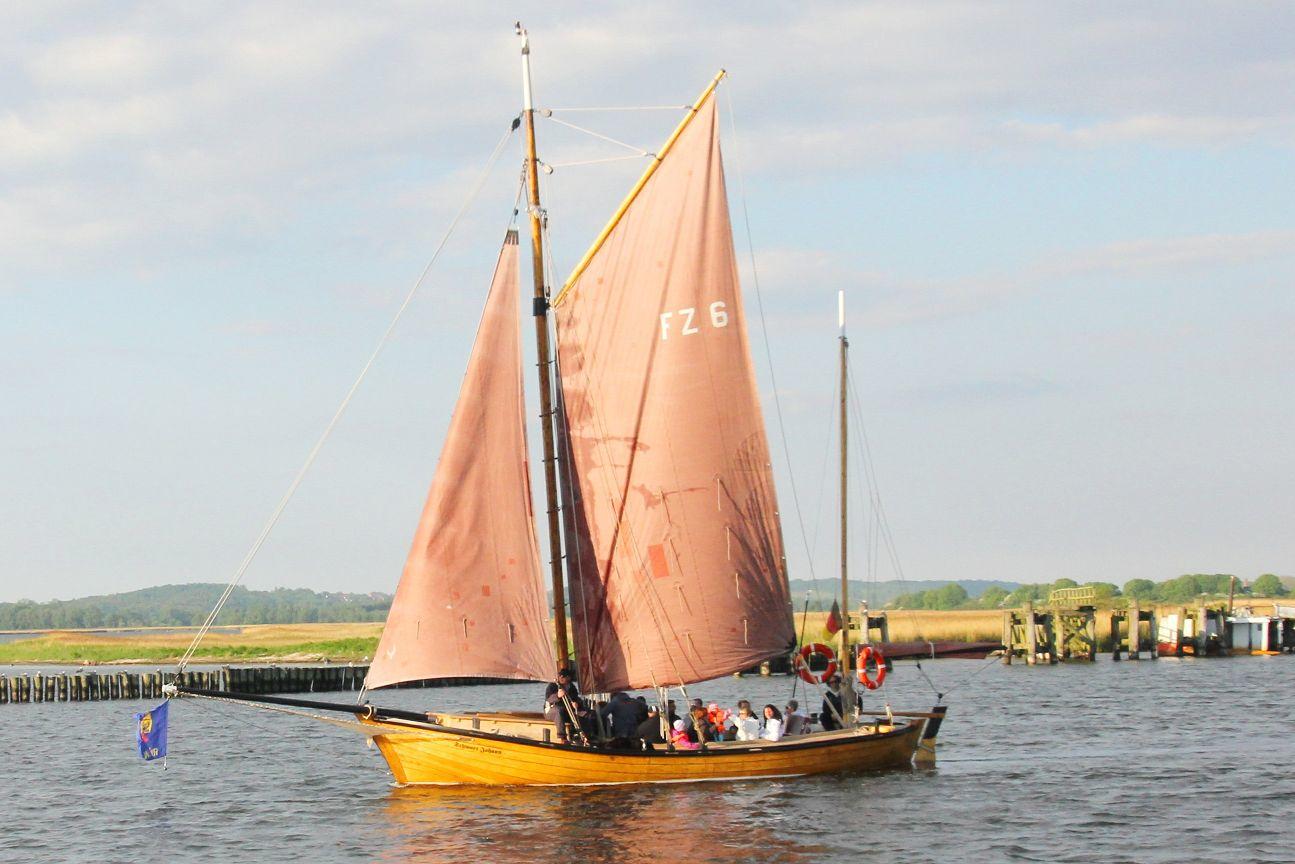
188	606
1181	589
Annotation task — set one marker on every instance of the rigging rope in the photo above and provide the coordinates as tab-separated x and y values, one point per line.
341	409
547	111
353	725
556	165
764	332
865	454
638	150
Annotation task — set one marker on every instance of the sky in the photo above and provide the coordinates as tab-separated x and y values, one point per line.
1065	232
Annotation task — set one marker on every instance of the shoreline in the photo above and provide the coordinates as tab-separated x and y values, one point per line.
334	643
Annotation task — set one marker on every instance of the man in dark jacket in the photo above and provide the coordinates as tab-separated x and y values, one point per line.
649	731
560	710
620	718
831	715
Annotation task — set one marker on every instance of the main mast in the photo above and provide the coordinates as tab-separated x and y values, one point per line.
847	678
540	310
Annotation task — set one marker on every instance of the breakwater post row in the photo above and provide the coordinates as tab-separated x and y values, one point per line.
1068	631
83	686
98	686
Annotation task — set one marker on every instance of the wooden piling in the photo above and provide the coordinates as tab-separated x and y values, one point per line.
1031	636
1009	643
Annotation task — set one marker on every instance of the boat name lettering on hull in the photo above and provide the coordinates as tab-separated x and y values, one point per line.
477	747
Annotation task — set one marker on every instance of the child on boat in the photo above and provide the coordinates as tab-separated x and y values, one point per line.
679	737
719	720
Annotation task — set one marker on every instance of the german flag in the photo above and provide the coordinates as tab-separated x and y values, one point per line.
834	619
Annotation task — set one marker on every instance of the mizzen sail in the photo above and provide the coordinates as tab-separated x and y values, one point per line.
471	601
677	572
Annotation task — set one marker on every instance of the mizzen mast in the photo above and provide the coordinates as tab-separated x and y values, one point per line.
544	364
848	705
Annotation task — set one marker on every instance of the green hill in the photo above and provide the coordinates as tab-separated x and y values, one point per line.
188	606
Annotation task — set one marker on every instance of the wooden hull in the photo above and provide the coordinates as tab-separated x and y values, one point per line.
433	754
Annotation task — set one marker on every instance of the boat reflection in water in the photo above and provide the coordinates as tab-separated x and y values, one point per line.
703	822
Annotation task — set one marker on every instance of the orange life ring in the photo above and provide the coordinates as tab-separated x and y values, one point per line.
802	664
868	654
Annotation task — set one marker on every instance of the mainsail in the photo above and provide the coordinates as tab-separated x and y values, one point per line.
470	601
677	569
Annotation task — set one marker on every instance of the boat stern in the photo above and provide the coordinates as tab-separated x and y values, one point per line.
925	755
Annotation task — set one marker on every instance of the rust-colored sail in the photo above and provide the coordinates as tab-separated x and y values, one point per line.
471	601
677	570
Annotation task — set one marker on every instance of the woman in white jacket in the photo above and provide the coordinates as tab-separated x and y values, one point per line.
772	724
748	725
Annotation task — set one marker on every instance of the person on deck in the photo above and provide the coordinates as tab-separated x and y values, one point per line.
772	724
649	731
699	727
688	717
719	721
621	719
679	737
831	715
565	713
747	724
795	721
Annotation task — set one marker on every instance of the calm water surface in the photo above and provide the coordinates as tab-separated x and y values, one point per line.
1172	760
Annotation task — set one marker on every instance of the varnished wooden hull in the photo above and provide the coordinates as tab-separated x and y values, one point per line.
428	754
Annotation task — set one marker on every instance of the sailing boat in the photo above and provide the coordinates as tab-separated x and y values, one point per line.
654	447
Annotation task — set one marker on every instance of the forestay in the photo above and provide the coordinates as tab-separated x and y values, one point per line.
677	573
470	601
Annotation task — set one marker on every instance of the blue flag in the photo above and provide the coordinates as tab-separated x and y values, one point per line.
151	730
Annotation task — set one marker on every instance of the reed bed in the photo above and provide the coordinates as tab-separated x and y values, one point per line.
911	625
357	642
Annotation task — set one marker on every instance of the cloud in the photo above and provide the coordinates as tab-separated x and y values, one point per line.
885	300
1167	255
102	61
1162	130
1017	387
191	128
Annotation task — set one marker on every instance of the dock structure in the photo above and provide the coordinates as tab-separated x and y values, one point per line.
1065	629
1132	643
1074	623
1028	633
95	686
1200	631
874	622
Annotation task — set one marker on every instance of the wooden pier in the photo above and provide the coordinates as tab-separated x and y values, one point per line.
1066	629
1132	643
1028	633
94	686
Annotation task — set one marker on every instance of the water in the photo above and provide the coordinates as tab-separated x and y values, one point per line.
1172	760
